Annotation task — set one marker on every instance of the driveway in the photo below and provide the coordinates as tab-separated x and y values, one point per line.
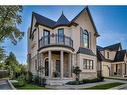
4	85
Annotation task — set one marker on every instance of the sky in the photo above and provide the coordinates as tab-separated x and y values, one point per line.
110	21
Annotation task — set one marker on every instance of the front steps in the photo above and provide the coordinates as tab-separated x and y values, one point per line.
55	82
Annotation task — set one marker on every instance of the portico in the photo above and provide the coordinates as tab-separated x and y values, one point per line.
57	64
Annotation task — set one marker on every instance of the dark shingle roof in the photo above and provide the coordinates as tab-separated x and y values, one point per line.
44	20
100	57
86	51
62	21
100	48
120	56
114	47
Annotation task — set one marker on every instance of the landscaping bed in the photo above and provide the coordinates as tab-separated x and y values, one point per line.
85	81
104	86
28	86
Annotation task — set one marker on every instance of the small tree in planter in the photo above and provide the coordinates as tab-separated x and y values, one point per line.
77	71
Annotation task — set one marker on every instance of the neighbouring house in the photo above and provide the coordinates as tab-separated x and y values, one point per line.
55	47
112	61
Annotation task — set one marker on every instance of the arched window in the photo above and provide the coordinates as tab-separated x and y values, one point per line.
84	38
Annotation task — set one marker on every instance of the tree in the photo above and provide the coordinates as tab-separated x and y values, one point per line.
76	71
12	65
10	18
2	54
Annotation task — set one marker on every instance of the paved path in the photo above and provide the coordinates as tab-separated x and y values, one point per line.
85	85
4	85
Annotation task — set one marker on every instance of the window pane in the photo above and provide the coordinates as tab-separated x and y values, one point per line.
84	64
85	39
60	35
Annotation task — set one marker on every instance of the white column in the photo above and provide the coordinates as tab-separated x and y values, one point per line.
49	57
70	64
61	63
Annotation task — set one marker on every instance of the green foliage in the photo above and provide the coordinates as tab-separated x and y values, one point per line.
36	80
21	81
12	65
76	71
29	77
10	18
105	86
92	80
2	54
85	81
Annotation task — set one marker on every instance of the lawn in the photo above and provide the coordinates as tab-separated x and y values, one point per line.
29	87
104	86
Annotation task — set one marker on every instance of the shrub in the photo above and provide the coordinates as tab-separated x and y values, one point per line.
43	82
29	77
92	80
73	83
36	80
84	81
21	81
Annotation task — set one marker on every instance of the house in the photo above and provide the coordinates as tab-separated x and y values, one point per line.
112	60
55	47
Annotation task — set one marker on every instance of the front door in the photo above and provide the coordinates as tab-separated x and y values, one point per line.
57	68
46	67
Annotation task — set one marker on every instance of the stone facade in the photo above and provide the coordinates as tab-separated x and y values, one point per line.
61	58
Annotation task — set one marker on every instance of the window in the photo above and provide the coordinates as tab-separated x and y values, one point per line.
87	64
84	38
60	35
107	54
46	35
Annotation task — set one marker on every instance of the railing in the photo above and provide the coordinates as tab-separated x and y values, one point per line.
55	40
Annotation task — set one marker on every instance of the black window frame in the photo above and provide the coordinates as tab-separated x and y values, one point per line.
60	36
46	36
107	54
82	38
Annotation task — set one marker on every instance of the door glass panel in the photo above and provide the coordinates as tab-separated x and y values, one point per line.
57	73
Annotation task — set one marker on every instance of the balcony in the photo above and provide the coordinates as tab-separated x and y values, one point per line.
55	40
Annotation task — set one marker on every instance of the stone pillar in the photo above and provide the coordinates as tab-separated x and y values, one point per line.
70	64
61	63
42	65
49	57
123	69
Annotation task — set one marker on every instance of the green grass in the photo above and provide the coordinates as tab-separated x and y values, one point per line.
29	87
104	86
115	78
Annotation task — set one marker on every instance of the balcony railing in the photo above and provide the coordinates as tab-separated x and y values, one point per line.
55	40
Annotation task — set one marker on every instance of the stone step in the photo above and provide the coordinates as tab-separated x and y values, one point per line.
57	81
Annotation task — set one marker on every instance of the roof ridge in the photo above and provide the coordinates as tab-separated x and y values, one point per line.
112	45
43	16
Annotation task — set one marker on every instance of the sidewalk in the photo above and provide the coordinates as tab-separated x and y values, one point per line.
85	85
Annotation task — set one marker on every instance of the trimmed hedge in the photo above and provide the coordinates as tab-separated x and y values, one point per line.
84	81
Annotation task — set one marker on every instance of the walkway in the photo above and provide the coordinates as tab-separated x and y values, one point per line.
84	85
4	85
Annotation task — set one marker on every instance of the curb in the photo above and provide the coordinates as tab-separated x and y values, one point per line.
11	85
118	87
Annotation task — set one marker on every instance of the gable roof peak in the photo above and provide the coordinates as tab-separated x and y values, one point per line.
114	47
62	20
